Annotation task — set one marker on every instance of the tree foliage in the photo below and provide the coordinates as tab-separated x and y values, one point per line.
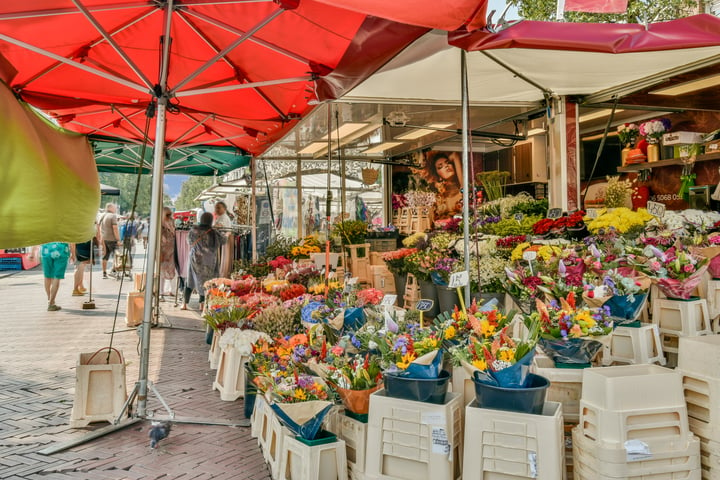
190	189
126	183
638	11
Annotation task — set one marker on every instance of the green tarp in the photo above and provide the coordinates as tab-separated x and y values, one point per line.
203	160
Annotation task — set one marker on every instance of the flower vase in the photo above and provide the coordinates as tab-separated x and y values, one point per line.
624	154
653	152
429	291
250	392
447	298
356	401
400	283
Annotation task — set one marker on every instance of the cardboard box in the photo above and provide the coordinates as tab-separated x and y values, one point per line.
676	138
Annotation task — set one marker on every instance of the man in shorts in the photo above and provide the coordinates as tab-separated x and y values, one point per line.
54	257
110	234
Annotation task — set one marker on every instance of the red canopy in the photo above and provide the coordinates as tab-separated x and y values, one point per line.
691	32
240	72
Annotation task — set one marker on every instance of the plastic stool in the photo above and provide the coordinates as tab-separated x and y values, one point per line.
713	298
685	318
320	462
635	345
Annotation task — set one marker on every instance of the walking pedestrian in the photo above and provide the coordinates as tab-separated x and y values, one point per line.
205	243
54	257
167	250
110	235
145	231
82	258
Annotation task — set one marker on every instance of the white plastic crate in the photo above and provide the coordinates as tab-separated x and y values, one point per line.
700	356
633	345
713	299
320	462
230	376
462	383
702	396
642	402
257	419
332	419
277	434
354	434
583	472
687	318
617	462
710	457
565	386
410	440
632	387
500	444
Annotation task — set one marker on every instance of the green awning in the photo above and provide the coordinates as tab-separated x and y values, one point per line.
202	160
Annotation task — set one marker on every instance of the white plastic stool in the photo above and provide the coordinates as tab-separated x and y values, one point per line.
684	318
320	462
636	345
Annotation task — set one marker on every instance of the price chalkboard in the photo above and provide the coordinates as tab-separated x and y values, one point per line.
424	305
554	213
529	256
656	209
519	217
459	279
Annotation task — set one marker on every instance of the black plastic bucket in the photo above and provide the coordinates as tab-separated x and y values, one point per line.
525	400
250	393
428	390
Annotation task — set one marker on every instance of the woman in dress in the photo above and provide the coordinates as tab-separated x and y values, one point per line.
167	250
205	244
223	222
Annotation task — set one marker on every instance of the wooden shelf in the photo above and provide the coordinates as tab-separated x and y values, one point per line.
666	163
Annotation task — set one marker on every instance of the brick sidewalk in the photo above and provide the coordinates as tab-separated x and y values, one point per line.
38	352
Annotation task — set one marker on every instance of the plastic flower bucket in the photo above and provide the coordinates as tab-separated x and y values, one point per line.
428	390
524	400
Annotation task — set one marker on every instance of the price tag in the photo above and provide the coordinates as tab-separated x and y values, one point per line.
424	305
656	209
592	212
554	213
529	256
459	279
351	281
519	217
388	300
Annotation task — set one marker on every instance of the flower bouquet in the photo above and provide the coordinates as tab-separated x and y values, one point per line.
628	133
711	251
523	286
416	370
677	272
355	378
628	293
301	402
566	329
395	260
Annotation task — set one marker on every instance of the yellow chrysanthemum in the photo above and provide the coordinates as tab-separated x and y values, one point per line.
487	329
517	252
407	359
450	333
480	364
300	394
506	355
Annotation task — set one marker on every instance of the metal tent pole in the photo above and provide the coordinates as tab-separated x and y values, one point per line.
465	165
153	242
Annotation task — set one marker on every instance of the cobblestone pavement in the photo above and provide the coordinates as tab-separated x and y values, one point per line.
38	352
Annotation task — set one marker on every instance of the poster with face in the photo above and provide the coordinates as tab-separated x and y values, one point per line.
441	172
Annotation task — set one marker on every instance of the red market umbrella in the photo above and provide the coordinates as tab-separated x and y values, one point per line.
198	72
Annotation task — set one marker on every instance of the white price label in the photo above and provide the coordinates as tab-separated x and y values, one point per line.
352	281
440	442
433	418
592	213
637	450
529	256
656	209
532	461
459	279
388	300
554	213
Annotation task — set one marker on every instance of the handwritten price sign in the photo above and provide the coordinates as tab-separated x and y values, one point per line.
459	279
656	209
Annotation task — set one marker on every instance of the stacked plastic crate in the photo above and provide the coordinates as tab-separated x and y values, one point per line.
698	363
634	425
410	440
502	445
